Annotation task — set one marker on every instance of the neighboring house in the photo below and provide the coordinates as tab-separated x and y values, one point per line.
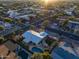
16	15
8	25
10	45
70	11
59	33
26	17
6	52
12	13
23	17
64	51
74	25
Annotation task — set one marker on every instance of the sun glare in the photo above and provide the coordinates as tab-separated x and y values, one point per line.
48	1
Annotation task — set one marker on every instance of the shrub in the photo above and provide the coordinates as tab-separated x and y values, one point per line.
1	40
8	20
44	55
1	27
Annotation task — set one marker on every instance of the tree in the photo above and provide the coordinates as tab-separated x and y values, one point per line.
1	27
44	55
16	5
32	27
61	14
64	24
1	39
72	18
55	16
45	24
9	20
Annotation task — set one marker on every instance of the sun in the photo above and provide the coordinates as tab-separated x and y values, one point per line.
48	1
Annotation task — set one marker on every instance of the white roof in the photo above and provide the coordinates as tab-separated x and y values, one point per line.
75	22
23	16
33	36
37	34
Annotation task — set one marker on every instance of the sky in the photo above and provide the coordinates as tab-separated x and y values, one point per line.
34	0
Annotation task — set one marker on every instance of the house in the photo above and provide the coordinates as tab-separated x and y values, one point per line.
32	36
11	45
65	51
23	17
70	11
74	25
12	13
6	51
58	33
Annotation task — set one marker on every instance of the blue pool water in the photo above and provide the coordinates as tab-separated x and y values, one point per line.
35	49
23	54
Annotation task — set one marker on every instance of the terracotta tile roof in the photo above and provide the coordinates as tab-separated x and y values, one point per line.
4	51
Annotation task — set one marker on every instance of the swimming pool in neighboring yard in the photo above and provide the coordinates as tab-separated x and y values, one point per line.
35	49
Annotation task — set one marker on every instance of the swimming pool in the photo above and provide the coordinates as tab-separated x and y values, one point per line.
35	49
